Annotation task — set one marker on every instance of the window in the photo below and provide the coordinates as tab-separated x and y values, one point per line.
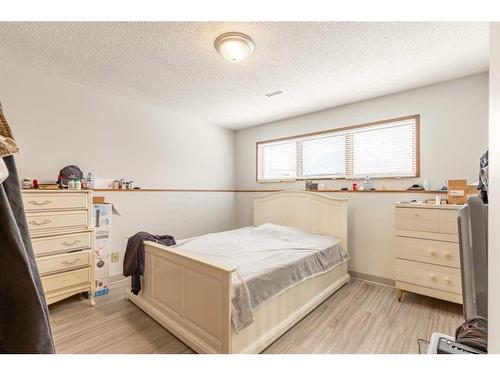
323	156
278	160
382	149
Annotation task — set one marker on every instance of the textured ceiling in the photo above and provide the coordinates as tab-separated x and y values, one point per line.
317	64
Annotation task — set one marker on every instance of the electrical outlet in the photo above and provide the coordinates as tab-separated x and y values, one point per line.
115	257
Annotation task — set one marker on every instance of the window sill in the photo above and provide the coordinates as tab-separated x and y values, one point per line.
268	191
382	191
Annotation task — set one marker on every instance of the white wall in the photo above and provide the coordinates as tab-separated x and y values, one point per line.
182	214
494	194
57	123
371	246
453	132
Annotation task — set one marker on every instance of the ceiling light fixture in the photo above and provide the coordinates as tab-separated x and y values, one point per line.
234	47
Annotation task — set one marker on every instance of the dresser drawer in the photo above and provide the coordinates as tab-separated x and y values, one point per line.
63	262
429	275
65	279
429	251
61	220
55	201
427	220
57	244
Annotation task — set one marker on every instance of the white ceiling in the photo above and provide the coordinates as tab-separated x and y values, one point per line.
317	64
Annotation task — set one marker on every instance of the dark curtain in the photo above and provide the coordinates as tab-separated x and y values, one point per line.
24	317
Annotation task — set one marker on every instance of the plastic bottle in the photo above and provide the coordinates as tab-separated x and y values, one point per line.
426	185
78	185
90	181
368	183
71	184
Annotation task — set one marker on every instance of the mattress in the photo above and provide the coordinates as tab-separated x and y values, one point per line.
269	259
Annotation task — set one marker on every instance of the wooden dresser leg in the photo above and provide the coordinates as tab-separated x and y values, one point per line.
400	295
92	299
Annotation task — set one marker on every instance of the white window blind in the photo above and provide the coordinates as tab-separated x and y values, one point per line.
278	160
323	156
385	149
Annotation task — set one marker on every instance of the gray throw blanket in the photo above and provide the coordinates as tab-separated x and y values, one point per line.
133	262
269	259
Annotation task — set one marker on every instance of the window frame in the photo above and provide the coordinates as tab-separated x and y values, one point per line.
298	137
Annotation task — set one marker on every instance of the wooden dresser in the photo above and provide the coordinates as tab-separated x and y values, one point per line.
62	234
427	253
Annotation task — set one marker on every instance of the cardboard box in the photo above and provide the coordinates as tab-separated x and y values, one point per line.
98	200
457	191
102	215
472	190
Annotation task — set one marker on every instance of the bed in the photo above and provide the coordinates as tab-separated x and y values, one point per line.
193	294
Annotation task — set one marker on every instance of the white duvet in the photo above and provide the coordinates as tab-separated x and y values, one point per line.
269	259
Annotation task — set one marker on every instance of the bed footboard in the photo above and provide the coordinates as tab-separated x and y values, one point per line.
188	296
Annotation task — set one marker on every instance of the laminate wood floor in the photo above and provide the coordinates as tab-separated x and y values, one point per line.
359	318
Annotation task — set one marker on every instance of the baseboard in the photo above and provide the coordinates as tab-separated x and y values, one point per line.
372	278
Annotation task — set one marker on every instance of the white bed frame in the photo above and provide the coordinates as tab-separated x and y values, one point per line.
191	297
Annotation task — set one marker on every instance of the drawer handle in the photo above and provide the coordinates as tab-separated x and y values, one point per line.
66	243
37	203
432	252
416	215
69	263
432	277
447	254
34	222
447	280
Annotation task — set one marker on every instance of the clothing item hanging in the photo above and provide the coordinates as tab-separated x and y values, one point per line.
24	317
133	262
8	145
4	171
483	178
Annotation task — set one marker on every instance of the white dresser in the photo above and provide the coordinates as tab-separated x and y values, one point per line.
427	253
62	234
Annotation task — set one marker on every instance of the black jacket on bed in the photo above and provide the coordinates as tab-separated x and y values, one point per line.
133	262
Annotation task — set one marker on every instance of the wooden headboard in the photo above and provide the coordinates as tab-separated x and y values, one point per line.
304	210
